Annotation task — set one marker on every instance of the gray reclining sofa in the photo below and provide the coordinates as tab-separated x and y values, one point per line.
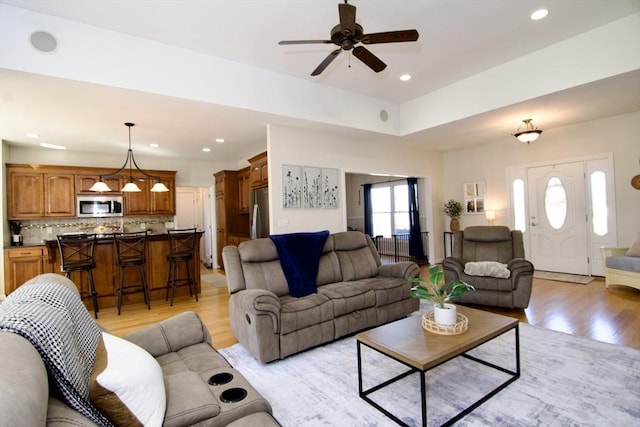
182	347
354	292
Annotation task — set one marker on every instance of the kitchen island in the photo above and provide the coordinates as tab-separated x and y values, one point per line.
106	274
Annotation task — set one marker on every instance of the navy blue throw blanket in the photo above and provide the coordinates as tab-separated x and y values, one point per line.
299	255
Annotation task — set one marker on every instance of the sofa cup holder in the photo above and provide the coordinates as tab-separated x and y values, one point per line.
233	395
221	378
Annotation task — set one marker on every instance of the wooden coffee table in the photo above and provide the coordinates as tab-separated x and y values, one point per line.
408	343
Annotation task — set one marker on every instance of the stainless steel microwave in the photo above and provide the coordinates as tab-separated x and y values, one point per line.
99	206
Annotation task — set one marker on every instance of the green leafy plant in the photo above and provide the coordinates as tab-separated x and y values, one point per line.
436	289
453	208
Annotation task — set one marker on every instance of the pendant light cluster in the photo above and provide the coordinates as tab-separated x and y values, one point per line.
130	186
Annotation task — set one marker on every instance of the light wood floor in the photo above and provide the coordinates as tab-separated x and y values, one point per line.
593	311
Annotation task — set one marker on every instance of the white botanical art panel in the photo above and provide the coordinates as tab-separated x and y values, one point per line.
311	187
291	187
330	188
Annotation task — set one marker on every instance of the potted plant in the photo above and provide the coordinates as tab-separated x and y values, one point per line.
453	209
440	292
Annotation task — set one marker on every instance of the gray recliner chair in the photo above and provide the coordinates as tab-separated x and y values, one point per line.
491	243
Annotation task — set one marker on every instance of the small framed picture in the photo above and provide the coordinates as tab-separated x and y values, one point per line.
291	187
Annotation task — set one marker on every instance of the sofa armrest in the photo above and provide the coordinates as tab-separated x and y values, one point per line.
259	301
520	265
405	270
613	252
173	334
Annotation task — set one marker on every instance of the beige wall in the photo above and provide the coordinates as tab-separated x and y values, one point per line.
619	135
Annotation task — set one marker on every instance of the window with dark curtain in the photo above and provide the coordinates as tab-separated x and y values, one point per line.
415	235
368	224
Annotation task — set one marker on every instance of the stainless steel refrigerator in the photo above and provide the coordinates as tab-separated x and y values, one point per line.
259	213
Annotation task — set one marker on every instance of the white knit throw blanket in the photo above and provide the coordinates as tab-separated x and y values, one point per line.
54	320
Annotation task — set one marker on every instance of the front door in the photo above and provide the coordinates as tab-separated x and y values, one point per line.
558	218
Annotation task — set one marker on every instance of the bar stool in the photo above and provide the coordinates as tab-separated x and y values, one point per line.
131	252
76	254
181	250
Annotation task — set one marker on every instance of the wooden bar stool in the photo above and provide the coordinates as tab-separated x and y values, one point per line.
131	252
76	254
181	250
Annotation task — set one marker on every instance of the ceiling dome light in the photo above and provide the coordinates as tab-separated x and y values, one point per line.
405	77
219	140
539	14
206	150
529	134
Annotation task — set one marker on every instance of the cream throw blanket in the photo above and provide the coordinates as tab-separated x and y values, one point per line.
487	268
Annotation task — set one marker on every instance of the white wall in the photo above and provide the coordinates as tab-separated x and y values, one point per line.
619	135
294	146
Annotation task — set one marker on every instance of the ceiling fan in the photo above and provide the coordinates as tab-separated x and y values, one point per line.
348	34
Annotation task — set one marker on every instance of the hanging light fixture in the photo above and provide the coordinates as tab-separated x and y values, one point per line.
130	186
529	134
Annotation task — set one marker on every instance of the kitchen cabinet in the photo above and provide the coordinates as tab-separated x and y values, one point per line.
85	182
36	193
229	221
259	171
22	264
49	191
244	187
146	202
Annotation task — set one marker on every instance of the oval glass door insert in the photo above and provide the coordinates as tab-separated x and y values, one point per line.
555	203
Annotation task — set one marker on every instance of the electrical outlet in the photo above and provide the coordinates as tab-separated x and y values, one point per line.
143	226
49	230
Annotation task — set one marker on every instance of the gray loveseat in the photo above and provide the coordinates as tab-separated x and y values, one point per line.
354	292
182	347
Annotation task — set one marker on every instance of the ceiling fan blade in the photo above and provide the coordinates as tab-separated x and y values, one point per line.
369	59
391	37
324	64
347	14
305	42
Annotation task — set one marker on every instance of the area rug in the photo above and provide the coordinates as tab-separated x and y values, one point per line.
563	277
566	381
216	280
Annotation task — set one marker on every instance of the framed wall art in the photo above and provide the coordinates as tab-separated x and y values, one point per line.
291	187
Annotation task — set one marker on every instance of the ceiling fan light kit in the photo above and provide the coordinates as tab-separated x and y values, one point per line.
529	134
131	186
348	34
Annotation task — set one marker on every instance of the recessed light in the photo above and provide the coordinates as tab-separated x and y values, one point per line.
154	145
33	135
53	146
219	140
405	77
206	150
539	14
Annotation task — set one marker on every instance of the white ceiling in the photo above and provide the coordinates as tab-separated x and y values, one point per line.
458	38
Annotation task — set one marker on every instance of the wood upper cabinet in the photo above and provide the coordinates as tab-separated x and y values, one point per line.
151	203
46	191
138	203
259	171
59	195
85	182
244	187
36	193
22	264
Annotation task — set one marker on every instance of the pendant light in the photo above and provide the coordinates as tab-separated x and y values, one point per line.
529	134
131	186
